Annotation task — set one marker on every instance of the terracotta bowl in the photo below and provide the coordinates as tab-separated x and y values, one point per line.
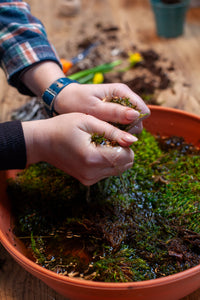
165	121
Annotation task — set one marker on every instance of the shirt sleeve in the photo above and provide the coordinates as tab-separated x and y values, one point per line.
12	146
23	42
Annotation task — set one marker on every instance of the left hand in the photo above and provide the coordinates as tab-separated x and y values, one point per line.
65	142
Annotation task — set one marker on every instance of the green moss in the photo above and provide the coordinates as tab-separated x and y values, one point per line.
100	139
142	225
122	266
124	101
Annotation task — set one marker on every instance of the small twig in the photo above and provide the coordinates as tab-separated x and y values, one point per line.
158	160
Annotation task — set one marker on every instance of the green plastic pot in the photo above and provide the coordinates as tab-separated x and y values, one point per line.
170	18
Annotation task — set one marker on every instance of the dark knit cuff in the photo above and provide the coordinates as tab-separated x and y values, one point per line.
12	146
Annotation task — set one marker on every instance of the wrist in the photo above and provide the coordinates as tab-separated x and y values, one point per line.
41	76
52	92
34	139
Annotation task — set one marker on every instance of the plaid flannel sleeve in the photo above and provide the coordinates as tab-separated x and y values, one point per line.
23	42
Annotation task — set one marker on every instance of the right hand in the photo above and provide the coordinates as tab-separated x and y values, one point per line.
87	98
65	142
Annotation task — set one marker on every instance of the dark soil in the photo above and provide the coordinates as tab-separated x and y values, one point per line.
145	78
146	85
2	261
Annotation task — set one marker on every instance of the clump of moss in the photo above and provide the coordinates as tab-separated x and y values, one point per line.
100	139
148	227
124	101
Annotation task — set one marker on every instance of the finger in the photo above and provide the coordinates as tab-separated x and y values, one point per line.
114	112
136	128
112	163
121	90
117	157
108	172
94	125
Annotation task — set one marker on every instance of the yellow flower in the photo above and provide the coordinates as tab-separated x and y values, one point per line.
98	78
135	58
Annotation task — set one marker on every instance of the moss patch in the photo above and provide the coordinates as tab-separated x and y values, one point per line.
142	225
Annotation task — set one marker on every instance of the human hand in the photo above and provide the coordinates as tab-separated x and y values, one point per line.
65	142
87	98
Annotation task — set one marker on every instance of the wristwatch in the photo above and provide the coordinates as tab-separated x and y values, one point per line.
51	92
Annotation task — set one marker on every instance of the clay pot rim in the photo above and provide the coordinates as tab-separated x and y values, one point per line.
47	274
174	110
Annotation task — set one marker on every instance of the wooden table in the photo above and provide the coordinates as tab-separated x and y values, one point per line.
136	22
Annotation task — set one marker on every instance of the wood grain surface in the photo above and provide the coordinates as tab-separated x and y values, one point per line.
136	21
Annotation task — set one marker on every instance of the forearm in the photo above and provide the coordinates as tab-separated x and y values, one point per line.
41	76
23	42
37	137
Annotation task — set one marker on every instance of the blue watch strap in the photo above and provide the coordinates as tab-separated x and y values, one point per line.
51	92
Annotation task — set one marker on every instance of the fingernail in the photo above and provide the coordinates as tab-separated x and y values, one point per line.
130	138
132	114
